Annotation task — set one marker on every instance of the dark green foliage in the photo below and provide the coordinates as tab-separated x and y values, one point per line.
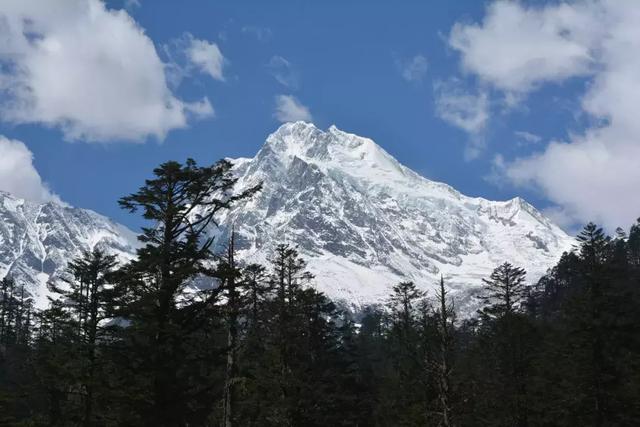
185	337
86	301
17	319
504	292
293	374
167	327
591	330
441	360
16	313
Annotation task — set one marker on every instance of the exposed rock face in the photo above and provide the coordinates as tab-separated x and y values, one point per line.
38	240
362	220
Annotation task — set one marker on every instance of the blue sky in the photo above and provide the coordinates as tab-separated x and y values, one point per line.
443	86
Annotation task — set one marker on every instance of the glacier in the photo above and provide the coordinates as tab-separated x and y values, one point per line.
364	222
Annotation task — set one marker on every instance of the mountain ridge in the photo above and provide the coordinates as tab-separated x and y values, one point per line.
364	221
361	219
37	240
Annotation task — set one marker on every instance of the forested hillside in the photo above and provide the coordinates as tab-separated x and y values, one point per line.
139	345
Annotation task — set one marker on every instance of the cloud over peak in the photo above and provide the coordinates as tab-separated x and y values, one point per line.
18	176
289	109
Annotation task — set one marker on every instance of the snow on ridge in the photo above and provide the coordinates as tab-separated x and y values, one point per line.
37	240
358	156
361	219
364	221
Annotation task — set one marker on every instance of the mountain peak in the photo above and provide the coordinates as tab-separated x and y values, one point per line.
364	221
333	149
299	128
307	135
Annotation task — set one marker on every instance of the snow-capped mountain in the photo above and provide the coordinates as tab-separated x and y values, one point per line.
365	222
362	220
38	240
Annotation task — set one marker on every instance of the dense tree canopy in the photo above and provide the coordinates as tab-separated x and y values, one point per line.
182	336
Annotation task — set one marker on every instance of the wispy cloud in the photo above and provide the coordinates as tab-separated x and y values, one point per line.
132	4
524	137
414	69
284	72
464	109
206	57
262	34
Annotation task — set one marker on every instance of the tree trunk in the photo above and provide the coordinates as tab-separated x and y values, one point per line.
232	340
444	365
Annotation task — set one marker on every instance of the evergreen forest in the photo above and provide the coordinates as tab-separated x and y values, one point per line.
139	344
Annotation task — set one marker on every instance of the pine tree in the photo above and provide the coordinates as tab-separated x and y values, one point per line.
506	340
288	275
7	310
445	317
301	366
56	369
256	298
403	304
594	248
87	298
634	244
503	292
258	289
374	366
409	379
182	202
229	273
184	336
588	353
16	338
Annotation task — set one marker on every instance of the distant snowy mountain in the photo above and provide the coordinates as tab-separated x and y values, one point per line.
361	219
365	222
38	240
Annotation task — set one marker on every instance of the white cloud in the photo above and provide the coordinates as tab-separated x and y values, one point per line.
200	108
564	220
132	4
262	34
206	56
18	176
89	70
283	72
460	108
465	110
594	175
414	69
516	48
289	109
527	137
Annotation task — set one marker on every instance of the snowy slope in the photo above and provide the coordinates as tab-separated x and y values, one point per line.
361	219
365	222
38	240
